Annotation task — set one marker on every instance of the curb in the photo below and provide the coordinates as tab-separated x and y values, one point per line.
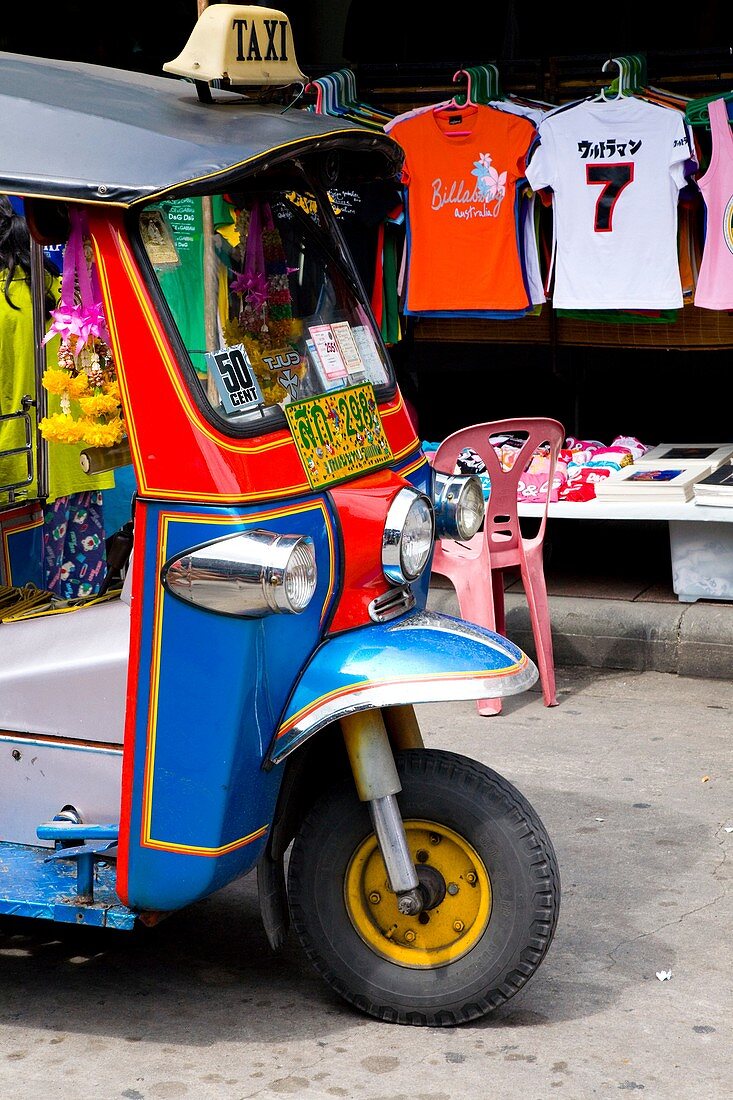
687	639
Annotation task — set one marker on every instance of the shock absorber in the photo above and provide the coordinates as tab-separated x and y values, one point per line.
377	783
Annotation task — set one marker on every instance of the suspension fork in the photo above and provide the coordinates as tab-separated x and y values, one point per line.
377	783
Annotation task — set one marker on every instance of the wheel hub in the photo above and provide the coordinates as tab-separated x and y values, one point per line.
432	885
457	891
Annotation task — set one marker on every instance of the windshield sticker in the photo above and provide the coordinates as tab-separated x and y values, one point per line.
158	239
369	355
284	363
329	354
235	380
339	435
347	347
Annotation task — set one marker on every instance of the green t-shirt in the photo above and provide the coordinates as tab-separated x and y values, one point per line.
182	283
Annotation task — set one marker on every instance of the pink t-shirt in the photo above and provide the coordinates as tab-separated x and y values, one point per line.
714	288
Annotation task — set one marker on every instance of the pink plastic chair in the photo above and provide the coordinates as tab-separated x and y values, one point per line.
476	568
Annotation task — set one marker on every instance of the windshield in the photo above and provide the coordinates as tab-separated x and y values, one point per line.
267	312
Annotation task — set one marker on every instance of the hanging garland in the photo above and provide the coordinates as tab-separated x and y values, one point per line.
262	314
85	380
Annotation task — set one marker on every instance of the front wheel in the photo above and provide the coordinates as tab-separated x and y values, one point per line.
487	868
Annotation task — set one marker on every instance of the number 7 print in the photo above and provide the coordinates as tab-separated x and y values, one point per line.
613	178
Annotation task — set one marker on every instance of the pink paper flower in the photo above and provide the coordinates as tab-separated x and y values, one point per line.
252	287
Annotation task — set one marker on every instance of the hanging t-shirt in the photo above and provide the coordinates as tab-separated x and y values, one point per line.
460	173
360	212
714	288
181	280
615	168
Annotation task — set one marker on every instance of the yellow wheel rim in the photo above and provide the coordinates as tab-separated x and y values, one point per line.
439	935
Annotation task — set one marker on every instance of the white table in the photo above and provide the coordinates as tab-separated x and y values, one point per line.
700	538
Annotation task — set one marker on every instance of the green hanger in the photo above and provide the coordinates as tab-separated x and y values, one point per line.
482	85
696	111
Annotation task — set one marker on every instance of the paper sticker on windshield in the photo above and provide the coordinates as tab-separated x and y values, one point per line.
338	435
328	351
347	347
373	365
235	380
158	238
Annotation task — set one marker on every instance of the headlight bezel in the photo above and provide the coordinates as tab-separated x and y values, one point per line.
247	575
396	536
449	492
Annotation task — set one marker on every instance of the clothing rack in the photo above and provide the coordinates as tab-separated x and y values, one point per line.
562	79
559	79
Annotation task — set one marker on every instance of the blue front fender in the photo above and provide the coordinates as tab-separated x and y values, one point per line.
422	658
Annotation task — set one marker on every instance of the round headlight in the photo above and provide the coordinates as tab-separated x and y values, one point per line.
409	532
470	511
300	578
459	505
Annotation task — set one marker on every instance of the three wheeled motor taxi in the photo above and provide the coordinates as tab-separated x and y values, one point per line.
241	694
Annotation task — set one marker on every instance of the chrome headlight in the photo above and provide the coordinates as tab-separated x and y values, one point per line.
409	532
250	574
459	505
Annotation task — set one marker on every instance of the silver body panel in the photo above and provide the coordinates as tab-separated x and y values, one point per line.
38	779
65	675
63	684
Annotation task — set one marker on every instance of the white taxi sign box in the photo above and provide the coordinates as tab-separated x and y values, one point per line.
239	45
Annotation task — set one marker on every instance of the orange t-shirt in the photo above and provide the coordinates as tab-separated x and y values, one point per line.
460	172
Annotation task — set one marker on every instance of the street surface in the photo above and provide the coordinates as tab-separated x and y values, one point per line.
631	775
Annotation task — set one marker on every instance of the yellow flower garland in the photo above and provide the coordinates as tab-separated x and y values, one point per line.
91	382
86	373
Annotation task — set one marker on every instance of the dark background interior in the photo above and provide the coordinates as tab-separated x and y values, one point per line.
142	36
656	394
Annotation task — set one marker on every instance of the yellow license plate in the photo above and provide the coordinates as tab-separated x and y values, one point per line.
338	435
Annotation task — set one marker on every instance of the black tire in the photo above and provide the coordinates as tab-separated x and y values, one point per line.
486	813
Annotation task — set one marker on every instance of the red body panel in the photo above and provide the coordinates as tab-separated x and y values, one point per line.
362	508
176	452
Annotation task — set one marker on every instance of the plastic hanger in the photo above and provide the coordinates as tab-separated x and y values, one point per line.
336	95
314	86
325	103
332	92
456	107
601	97
349	98
467	99
630	80
482	85
696	112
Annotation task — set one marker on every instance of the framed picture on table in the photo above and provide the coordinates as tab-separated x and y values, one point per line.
664	481
711	455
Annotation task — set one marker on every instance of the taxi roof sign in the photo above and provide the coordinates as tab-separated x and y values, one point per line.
239	45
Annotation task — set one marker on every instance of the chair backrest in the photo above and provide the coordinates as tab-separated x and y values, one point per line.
502	530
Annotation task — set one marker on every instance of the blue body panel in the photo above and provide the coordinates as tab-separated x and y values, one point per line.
22	534
33	887
200	803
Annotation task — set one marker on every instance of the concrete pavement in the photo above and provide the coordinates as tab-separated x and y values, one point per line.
631	774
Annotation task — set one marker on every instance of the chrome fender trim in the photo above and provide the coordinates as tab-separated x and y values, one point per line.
421	658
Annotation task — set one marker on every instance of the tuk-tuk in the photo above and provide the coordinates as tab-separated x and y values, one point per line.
242	695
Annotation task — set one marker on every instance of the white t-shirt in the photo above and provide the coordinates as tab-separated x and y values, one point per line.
615	168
